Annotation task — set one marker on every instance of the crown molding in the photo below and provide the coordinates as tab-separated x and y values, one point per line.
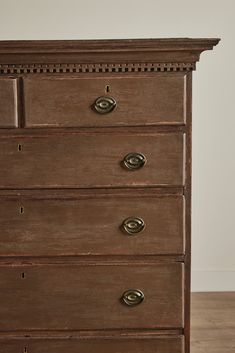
76	54
106	45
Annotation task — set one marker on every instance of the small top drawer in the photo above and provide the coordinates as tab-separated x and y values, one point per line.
8	102
104	101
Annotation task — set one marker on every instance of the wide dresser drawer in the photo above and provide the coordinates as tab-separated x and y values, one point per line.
105	100
80	223
92	297
92	160
164	344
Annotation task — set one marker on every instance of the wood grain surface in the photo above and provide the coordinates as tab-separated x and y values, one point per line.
67	101
91	225
68	297
213	322
90	160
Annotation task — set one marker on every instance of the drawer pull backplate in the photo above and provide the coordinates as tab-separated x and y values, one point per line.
133	161
133	297
133	225
104	105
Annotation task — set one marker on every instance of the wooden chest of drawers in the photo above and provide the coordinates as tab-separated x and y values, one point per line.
95	189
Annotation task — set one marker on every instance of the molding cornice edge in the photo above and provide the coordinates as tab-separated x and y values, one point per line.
107	45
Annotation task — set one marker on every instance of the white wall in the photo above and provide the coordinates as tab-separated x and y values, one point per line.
213	120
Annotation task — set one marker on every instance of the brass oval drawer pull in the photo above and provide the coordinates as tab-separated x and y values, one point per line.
133	297
133	161
104	105
133	225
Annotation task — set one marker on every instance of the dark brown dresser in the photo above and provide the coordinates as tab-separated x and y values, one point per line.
95	189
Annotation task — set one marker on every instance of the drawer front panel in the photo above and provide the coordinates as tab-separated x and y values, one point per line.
8	103
160	345
89	297
92	226
91	160
69	102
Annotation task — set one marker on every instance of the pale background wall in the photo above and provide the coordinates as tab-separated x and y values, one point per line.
213	99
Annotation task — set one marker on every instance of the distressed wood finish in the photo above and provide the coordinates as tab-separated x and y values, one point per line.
64	262
8	102
91	225
69	297
67	102
130	345
90	160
